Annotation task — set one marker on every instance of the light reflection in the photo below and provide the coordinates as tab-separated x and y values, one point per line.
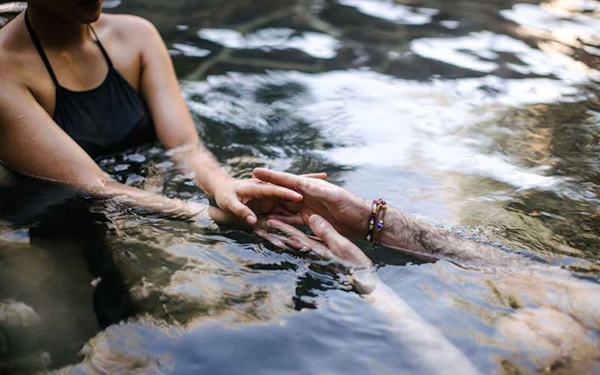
317	45
430	135
190	50
565	21
392	11
478	52
507	155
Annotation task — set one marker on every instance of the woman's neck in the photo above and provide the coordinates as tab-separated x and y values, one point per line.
55	32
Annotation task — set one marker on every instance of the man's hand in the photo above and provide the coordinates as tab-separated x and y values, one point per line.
328	245
346	212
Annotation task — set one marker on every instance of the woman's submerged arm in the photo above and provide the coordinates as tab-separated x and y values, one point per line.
174	125
176	130
31	143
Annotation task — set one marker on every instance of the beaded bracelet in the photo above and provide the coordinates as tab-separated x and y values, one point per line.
383	210
374	232
371	225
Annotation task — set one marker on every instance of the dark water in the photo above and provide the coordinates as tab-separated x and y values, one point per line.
483	117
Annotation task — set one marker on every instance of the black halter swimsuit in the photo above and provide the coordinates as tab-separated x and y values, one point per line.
109	118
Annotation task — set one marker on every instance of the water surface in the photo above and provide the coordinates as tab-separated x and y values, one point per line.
482	117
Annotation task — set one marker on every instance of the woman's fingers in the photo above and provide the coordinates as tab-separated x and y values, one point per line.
293	237
287	240
285	229
293	207
241	210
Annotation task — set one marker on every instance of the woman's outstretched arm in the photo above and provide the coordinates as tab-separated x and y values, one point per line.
31	143
176	129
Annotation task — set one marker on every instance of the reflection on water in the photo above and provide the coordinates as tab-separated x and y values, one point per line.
483	117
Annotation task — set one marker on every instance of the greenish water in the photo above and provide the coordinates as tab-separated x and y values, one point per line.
483	117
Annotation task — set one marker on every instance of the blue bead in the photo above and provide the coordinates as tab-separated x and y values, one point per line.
379	225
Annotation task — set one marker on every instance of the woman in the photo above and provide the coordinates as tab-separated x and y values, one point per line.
76	84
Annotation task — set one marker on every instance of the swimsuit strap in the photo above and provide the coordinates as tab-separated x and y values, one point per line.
40	50
106	57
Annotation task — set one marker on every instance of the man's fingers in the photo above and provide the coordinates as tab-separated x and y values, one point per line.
325	231
310	187
278	178
295	220
266	175
318	176
273	191
339	245
281	210
298	239
286	237
274	239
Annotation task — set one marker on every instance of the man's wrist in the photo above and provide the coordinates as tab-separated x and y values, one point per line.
365	209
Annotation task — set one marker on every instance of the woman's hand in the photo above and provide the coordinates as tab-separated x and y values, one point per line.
233	195
347	213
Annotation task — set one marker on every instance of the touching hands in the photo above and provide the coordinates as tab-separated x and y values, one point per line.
248	197
304	200
347	213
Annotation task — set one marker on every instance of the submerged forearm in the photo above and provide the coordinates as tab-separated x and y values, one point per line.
198	159
428	347
406	233
174	208
144	200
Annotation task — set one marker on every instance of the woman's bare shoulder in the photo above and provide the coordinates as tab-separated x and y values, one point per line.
126	26
16	48
11	35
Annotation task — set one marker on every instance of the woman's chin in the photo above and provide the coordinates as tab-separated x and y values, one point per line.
90	18
90	10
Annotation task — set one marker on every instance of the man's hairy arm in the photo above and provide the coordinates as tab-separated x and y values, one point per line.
404	232
349	215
